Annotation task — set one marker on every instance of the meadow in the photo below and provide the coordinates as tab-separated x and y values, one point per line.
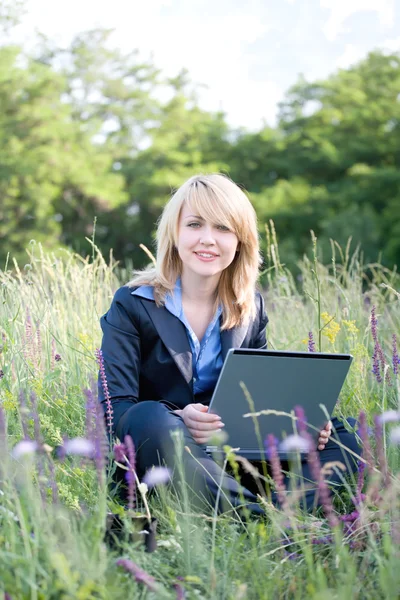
55	501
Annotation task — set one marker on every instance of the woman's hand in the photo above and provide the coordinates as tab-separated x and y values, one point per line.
200	423
324	435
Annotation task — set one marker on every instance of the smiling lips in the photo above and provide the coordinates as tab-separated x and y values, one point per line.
206	256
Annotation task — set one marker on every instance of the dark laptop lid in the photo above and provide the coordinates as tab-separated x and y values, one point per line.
275	380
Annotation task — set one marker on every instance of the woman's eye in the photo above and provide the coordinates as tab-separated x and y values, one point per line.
223	228
193	224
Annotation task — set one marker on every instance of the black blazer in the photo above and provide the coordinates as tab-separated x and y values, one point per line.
147	355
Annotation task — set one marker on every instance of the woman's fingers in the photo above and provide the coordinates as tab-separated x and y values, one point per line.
203	426
200	415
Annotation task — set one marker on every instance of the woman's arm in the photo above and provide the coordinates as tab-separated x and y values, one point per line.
121	350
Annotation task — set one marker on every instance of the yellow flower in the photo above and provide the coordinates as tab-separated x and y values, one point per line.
331	328
350	326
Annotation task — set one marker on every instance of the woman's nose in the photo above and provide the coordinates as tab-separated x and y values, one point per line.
207	236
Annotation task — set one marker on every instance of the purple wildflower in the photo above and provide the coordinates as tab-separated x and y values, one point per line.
79	446
276	469
156	476
57	357
180	591
374	324
295	443
130	474
311	343
137	573
376	362
389	416
395	355
1	373
326	539
104	385
323	490
301	420
120	452
23	448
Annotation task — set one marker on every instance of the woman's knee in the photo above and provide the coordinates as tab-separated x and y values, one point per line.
146	420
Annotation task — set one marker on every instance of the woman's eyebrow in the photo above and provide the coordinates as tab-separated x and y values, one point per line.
194	217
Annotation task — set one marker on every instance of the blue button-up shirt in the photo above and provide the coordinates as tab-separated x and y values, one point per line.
207	355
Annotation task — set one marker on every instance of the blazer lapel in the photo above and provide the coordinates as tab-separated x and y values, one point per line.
173	335
232	338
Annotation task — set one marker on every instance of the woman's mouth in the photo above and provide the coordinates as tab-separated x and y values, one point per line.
206	256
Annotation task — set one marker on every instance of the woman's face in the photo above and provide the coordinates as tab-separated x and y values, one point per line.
206	249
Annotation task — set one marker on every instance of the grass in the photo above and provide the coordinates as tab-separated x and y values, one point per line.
53	512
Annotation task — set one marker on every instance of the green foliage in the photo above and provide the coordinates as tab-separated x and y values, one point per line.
56	549
84	135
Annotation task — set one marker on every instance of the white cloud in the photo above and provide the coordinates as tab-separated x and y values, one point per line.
351	55
340	10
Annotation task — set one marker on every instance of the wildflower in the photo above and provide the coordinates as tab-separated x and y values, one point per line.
323	490
157	476
130	475
1	373
376	362
350	326
138	574
388	416
395	435
311	343
104	385
295	443
120	452
79	446
331	328
395	355
180	591
374	324
301	419
57	357
276	469
23	448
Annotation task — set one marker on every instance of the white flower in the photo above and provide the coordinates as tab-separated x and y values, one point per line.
295	443
395	435
157	476
389	417
80	446
23	448
143	489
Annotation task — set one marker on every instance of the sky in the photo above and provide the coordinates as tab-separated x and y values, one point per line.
246	55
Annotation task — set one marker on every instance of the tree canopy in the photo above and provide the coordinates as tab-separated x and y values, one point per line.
89	131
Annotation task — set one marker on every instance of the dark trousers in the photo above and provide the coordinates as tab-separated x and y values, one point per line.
150	424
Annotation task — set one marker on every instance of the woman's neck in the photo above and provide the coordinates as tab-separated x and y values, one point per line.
201	292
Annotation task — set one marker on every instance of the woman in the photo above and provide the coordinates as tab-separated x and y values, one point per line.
167	333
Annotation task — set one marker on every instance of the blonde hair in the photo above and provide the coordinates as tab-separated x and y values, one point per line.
217	199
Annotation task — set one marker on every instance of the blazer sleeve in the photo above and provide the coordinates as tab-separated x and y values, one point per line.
121	350
260	338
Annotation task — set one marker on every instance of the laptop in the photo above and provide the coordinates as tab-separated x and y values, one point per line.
278	381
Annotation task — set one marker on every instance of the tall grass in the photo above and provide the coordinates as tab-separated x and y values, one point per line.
53	507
